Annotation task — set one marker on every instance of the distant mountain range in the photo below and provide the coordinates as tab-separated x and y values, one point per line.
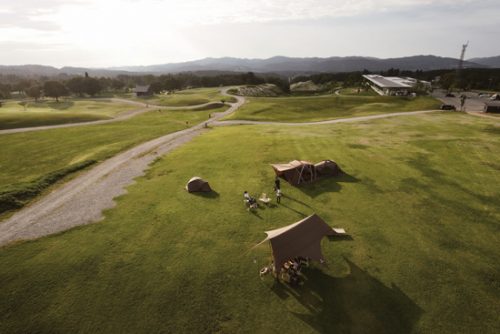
487	61
279	64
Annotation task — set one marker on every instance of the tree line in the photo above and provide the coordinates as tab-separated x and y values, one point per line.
89	86
64	85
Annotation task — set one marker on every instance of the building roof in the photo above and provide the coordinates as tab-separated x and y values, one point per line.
391	82
141	89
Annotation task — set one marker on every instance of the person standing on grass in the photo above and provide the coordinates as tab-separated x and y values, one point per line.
278	195
277	183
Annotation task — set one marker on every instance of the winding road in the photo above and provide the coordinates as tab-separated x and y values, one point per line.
82	200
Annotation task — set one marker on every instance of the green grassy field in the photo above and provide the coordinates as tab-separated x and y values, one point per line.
17	114
420	200
311	109
26	158
187	97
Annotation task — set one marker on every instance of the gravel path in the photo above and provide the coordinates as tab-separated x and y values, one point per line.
83	199
120	117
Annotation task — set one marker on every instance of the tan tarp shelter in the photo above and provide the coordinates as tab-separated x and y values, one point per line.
295	172
198	184
302	238
327	168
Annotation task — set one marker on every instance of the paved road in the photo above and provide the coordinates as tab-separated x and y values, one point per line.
121	117
82	200
473	103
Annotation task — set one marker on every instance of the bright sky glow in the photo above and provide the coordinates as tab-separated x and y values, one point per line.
142	32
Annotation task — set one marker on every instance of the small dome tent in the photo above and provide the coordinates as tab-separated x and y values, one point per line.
197	184
327	168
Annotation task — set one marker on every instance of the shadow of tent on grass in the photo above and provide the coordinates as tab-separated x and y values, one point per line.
327	184
357	303
210	194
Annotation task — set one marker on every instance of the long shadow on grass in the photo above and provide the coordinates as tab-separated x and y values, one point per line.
212	194
328	185
290	208
356	303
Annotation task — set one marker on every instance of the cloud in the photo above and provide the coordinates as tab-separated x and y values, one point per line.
110	32
43	14
30	14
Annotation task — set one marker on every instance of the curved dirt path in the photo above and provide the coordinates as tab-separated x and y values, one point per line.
332	121
120	117
82	200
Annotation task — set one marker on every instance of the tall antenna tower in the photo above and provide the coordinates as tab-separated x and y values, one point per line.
462	55
458	80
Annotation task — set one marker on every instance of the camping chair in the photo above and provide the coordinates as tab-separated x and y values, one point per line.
264	199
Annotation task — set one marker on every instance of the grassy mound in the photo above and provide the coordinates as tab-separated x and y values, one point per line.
310	109
187	97
23	193
260	90
28	114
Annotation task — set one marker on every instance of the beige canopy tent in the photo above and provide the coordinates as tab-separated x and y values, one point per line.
302	238
197	184
296	172
327	168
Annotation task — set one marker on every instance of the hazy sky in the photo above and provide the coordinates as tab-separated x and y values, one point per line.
141	32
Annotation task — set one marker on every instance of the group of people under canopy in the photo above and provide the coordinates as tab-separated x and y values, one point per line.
297	244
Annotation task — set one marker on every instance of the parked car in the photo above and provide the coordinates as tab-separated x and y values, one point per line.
448	107
450	95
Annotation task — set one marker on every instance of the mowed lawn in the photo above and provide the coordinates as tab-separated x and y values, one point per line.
187	97
26	159
19	114
420	200
312	109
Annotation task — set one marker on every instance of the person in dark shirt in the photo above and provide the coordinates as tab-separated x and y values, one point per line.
277	183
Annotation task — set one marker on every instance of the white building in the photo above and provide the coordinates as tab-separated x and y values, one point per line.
392	85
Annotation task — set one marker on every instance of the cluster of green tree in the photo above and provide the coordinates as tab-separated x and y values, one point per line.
80	86
178	81
5	90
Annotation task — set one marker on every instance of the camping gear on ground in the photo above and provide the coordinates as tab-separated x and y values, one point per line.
264	198
197	184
